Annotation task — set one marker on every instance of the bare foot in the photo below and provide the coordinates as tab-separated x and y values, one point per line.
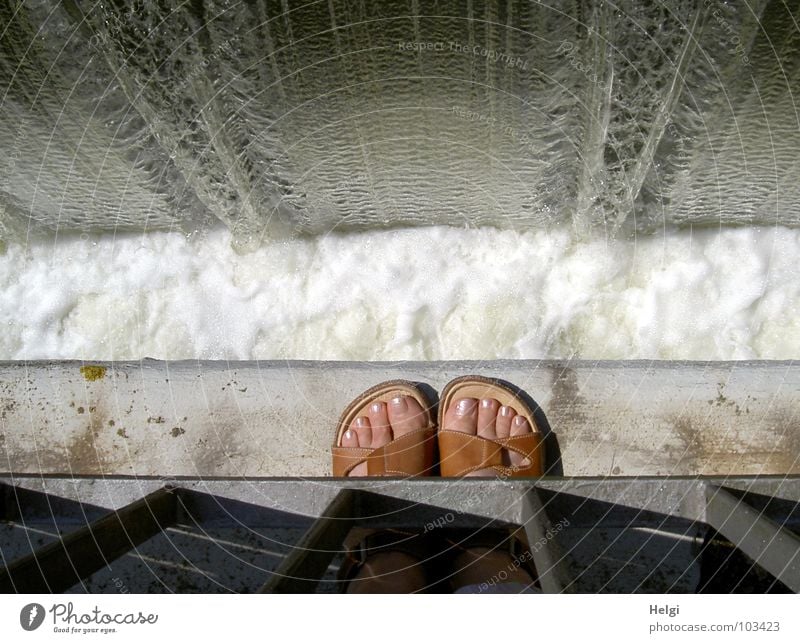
382	424
486	418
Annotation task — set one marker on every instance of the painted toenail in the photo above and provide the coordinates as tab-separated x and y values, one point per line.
376	408
360	422
506	411
349	434
487	404
519	420
399	403
465	406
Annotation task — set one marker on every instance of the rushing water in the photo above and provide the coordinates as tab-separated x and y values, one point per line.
619	179
419	293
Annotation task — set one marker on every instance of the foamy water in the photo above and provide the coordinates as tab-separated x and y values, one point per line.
427	293
274	124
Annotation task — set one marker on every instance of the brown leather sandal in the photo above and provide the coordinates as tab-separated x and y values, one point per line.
413	454
461	453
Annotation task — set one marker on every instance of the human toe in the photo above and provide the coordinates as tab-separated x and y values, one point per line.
487	418
519	426
379	422
505	417
462	416
358	435
405	415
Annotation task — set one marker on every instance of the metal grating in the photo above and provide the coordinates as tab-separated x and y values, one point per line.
584	535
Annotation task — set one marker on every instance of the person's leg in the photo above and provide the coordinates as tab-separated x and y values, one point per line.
389	573
481	568
393	571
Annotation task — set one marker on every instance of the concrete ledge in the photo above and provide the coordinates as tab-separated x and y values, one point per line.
203	418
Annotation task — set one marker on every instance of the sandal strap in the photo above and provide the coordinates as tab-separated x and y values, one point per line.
409	455
462	453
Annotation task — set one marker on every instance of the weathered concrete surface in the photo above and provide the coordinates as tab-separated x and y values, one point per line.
195	418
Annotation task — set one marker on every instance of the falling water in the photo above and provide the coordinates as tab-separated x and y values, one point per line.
345	114
584	145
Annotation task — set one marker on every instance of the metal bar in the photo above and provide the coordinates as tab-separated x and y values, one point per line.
302	569
472	501
547	555
772	546
5	490
60	565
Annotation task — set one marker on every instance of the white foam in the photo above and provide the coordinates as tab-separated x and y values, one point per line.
427	293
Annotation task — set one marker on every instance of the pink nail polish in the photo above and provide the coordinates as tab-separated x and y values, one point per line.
519	421
376	408
399	403
465	406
